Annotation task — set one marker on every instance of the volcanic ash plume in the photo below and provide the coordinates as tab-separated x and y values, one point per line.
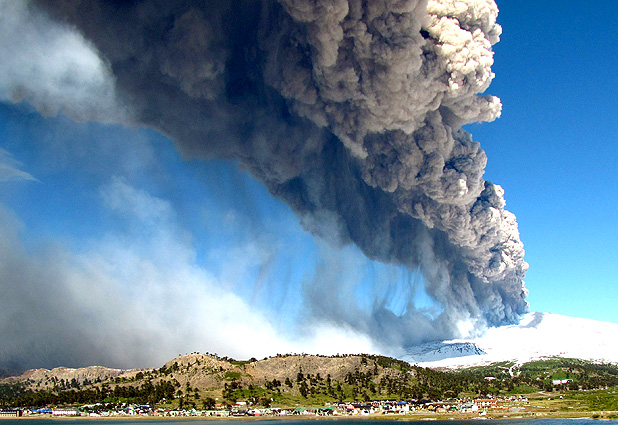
350	111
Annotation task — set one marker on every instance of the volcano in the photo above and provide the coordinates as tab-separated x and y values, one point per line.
537	336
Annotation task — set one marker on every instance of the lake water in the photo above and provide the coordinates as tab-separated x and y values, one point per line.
281	421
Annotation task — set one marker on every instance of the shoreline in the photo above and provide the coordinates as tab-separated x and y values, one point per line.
600	415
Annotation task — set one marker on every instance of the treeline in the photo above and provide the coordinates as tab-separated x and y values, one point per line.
404	381
540	375
374	378
14	395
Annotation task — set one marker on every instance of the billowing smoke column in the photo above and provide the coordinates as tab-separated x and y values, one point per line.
350	111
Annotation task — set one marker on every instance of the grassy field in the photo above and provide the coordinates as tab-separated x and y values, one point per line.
595	403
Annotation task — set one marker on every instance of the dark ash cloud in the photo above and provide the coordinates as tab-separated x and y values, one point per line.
349	111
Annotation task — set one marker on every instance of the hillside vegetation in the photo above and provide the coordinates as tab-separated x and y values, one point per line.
202	380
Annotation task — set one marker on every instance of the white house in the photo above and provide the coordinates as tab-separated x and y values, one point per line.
65	412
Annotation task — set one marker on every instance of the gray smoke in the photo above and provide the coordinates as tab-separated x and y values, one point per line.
350	111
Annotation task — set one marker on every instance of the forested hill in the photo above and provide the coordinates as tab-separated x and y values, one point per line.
200	379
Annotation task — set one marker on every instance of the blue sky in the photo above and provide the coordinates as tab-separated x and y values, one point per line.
119	204
554	149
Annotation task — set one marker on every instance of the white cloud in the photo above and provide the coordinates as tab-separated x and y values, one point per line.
53	67
138	299
121	197
10	168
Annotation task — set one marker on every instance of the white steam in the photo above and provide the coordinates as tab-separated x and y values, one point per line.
53	67
132	299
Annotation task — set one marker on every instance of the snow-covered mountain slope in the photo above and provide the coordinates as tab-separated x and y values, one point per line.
538	335
436	351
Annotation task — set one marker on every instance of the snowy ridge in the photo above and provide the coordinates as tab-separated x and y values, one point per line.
538	335
436	351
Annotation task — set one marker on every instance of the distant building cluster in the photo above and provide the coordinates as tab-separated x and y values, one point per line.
11	413
383	407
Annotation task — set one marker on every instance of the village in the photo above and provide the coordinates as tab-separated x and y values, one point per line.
478	406
291	386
